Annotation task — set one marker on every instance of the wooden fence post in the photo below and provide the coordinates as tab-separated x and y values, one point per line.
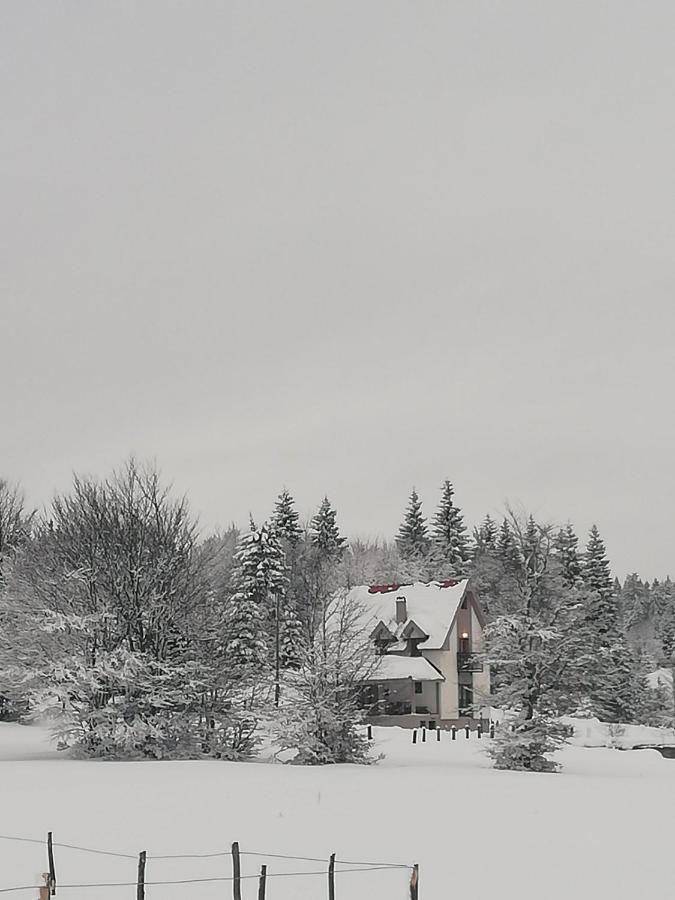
262	883
424	735
331	877
44	890
479	732
492	730
415	882
467	731
453	733
438	734
414	736
140	882
370	732
52	870
236	871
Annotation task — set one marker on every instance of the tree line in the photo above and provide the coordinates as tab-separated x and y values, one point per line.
138	637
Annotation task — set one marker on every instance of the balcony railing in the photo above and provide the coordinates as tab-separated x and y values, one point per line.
469	662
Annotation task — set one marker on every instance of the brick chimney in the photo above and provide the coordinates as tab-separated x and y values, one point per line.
401	611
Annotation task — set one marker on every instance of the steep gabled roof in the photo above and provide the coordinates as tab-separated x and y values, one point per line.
431	608
381	633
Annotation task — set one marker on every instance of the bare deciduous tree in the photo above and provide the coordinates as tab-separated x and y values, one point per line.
15	521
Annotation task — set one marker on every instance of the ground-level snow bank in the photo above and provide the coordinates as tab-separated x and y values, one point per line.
603	828
594	733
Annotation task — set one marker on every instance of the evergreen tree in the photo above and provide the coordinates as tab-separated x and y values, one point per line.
292	636
413	536
664	602
617	688
595	572
485	537
259	576
449	539
325	534
535	647
531	546
623	695
636	603
507	549
567	548
285	524
285	519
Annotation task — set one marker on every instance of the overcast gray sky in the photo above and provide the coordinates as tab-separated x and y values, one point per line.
346	247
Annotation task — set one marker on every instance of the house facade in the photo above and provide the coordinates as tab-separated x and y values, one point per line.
428	641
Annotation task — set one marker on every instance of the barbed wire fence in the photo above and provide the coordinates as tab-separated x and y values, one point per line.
333	866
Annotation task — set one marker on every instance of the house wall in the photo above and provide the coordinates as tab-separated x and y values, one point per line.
446	662
481	680
427	698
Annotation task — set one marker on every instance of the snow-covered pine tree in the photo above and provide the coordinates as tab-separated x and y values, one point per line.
259	575
535	646
485	536
664	599
567	548
603	608
325	534
637	609
450	544
507	549
617	690
622	694
292	636
285	519
285	523
413	535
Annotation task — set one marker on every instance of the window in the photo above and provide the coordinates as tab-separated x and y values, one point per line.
418	687
465	700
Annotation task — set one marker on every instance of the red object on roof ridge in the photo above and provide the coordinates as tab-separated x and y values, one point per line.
449	583
383	588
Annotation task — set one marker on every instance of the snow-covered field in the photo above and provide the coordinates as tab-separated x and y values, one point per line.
604	828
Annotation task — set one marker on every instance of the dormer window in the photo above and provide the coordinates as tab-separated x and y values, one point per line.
414	636
382	638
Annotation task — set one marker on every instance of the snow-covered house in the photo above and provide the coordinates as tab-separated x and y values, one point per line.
429	640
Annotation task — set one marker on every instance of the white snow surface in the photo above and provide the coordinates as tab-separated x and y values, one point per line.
594	733
430	606
602	828
391	668
661	678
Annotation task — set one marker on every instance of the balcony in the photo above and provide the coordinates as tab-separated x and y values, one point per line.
469	662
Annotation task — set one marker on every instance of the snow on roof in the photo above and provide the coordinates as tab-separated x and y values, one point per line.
392	668
431	606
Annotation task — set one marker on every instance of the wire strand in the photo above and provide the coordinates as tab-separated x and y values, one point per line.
230	878
206	855
5	837
342	862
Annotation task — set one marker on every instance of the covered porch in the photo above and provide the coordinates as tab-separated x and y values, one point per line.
402	686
